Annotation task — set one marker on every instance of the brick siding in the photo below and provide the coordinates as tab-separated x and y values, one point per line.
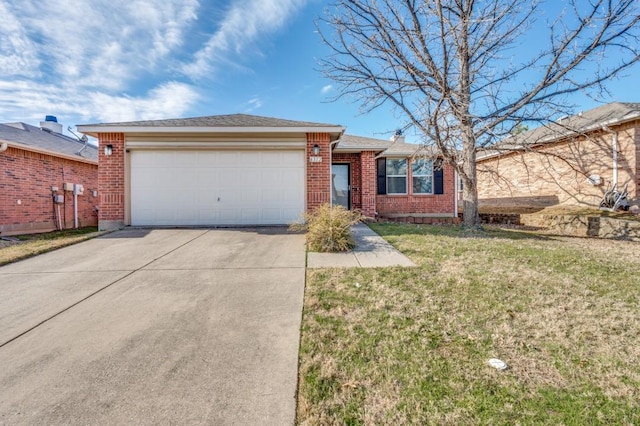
364	190
369	183
26	203
318	174
355	179
557	173
111	181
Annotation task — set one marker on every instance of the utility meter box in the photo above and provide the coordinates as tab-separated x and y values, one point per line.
58	199
67	186
78	189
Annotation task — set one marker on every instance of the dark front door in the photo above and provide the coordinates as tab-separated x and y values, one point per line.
341	185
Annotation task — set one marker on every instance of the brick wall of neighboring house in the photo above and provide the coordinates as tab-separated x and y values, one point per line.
356	177
26	203
557	173
111	181
420	205
318	173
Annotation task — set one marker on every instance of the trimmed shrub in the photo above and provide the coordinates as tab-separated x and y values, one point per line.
329	228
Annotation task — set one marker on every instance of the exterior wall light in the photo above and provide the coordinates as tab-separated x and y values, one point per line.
108	150
316	149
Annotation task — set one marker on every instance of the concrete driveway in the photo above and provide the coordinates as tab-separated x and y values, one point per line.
165	326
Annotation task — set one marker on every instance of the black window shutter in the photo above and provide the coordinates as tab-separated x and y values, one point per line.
438	177
382	175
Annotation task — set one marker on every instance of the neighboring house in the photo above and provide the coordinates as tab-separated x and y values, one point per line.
35	165
571	162
250	170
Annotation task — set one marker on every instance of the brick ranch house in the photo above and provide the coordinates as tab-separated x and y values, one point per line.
249	170
36	163
571	162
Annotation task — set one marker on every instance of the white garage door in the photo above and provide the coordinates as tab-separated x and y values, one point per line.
216	187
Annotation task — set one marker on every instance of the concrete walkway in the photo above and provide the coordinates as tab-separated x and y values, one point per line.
371	251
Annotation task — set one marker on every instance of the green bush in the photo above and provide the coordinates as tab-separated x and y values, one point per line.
329	228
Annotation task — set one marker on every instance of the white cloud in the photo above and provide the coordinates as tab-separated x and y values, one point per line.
253	104
243	23
17	52
98	44
326	89
171	99
118	60
29	101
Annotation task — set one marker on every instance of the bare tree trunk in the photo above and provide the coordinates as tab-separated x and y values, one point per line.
471	216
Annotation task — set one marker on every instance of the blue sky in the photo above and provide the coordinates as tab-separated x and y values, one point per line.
123	60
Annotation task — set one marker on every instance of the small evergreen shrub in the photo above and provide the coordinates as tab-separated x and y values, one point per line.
329	228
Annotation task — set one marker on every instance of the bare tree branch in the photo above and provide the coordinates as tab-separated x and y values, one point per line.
464	72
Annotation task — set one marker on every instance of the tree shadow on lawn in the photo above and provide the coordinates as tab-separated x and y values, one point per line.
457	231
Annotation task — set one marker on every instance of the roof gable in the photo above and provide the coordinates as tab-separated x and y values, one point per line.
216	124
230	120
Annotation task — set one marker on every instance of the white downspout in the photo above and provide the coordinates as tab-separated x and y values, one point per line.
75	208
3	146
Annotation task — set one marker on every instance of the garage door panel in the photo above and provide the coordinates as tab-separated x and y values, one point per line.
289	158
251	159
250	177
216	187
268	195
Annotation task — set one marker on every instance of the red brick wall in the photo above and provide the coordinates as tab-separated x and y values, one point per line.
355	179
318	174
363	179
111	180
369	183
26	203
409	204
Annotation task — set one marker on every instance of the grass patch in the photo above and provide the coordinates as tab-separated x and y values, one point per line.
411	345
33	244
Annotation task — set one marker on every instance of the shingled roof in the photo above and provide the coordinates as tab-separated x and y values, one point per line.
361	143
42	140
611	114
230	120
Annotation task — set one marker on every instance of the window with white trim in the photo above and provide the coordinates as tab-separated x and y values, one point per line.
422	176
396	175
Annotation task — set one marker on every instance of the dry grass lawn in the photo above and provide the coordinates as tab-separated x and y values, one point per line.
411	345
34	244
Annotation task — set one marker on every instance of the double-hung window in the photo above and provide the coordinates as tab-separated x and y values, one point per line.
396	175
422	176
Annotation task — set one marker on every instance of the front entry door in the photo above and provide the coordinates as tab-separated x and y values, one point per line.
341	185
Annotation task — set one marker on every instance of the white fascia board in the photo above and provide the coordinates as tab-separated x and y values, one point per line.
214	144
94	130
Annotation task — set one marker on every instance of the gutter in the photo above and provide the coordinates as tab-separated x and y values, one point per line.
3	146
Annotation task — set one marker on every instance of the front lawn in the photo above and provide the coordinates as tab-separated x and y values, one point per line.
411	345
29	245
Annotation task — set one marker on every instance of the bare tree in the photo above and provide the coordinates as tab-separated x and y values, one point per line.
466	73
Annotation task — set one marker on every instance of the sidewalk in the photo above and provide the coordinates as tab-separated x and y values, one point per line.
371	251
